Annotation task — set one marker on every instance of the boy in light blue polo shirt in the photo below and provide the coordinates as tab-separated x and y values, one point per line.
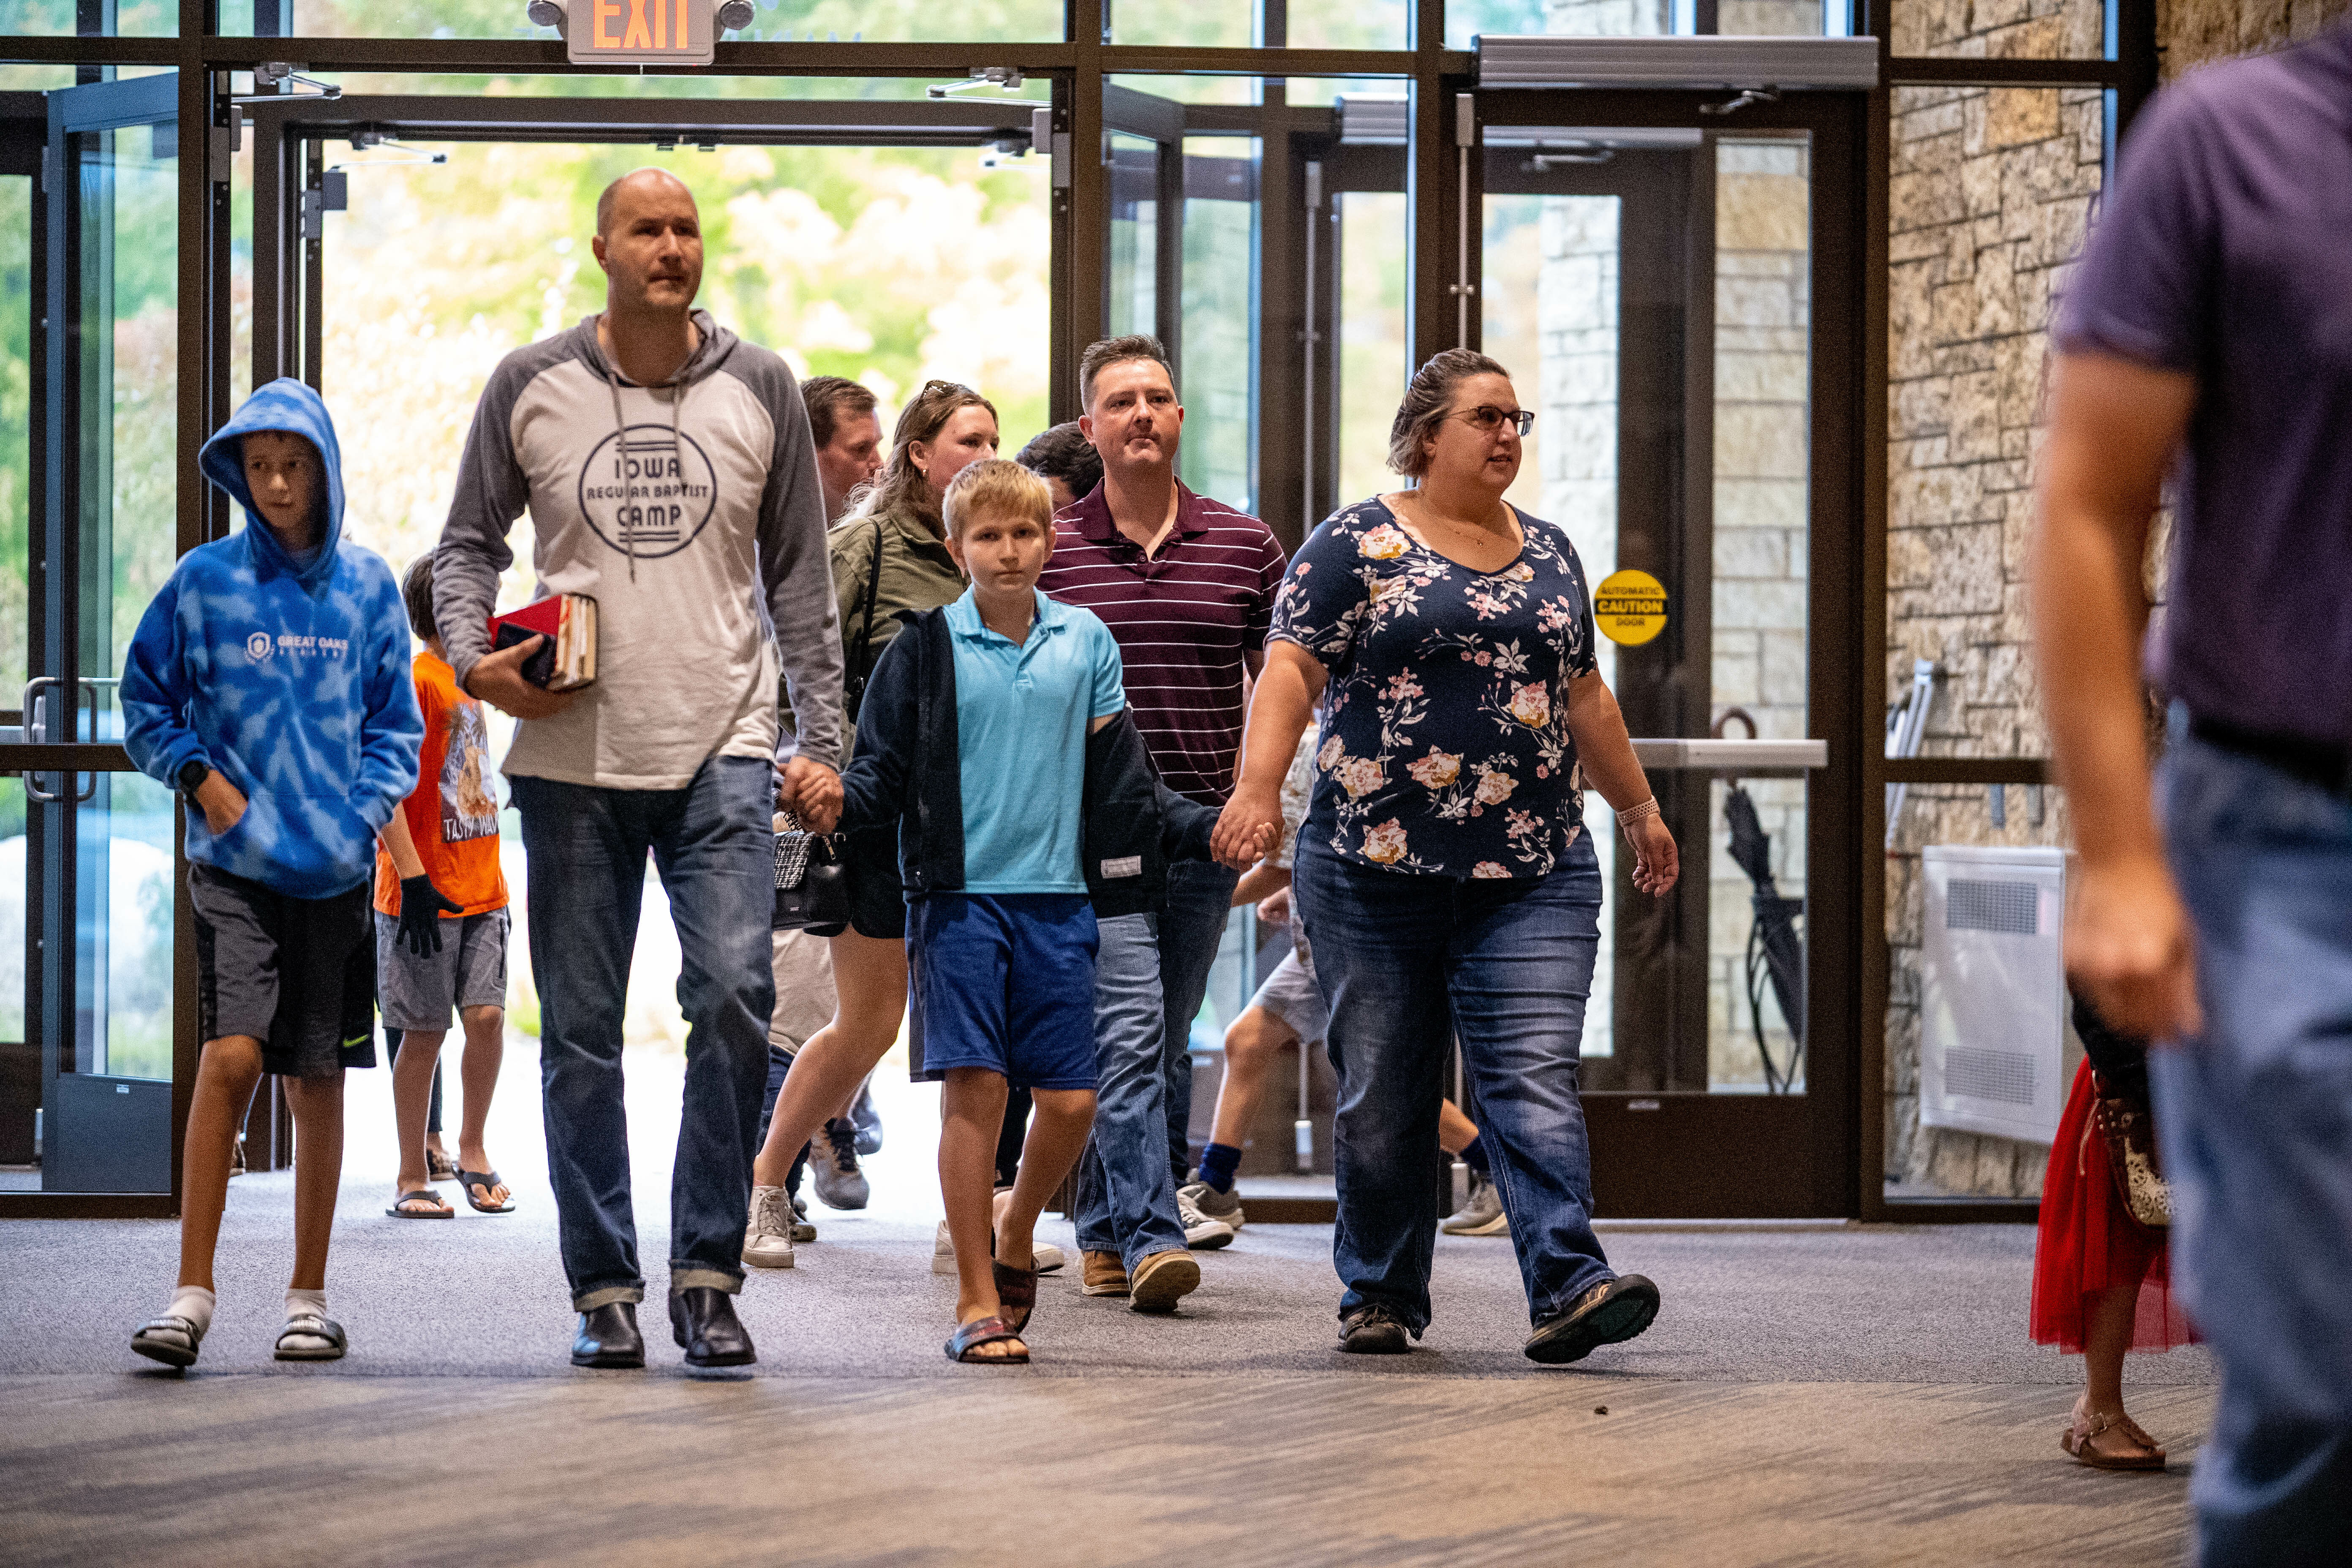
973	735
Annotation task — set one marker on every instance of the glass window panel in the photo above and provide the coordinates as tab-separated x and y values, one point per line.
2034	30
20	1061
1990	194
1195	89
1763	324
1466	19
1213	25
889	265
129	344
1219	360
55	18
1372	337
1349	24
123	928
1134	235
774	21
16	435
1927	1161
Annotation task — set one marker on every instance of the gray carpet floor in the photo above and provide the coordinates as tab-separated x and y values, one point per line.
1807	1396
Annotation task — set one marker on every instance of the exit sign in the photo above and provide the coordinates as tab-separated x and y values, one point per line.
641	32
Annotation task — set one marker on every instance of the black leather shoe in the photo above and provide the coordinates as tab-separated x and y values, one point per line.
702	1320
608	1337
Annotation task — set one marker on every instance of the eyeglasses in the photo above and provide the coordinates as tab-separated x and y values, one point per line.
1486	418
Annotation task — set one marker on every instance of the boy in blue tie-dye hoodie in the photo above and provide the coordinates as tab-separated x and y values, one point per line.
268	683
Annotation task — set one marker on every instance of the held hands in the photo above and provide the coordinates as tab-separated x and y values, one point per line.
497	679
2130	947
421	909
223	802
1248	829
1657	863
811	792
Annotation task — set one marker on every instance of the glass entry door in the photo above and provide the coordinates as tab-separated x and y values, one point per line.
1656	288
90	841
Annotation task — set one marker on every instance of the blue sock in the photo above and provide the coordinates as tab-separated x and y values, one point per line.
1218	1163
1475	1156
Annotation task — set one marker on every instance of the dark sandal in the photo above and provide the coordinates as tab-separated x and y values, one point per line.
440	1210
149	1340
969	1337
488	1182
311	1326
1016	1293
439	1167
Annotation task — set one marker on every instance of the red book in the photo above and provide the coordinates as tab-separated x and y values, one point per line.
566	661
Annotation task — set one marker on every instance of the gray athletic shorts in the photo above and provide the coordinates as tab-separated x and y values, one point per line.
1291	995
296	974
422	993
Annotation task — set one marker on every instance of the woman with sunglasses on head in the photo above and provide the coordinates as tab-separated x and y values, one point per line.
891	550
1444	873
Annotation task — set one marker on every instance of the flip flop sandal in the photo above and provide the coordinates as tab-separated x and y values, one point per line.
488	1182
311	1326
1016	1291
969	1337
400	1210
439	1167
170	1339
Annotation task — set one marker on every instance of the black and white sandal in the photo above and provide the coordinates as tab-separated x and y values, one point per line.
170	1339
307	1336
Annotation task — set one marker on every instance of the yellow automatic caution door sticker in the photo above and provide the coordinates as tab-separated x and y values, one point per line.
1631	607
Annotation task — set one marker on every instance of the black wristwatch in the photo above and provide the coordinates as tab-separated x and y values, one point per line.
193	775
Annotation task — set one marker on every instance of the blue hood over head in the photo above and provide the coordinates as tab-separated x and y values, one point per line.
288	406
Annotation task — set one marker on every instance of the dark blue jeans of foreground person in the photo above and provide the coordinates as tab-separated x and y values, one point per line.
586	849
2256	1120
1200	903
1407	964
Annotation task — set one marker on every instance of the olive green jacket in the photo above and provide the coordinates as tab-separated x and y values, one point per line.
917	573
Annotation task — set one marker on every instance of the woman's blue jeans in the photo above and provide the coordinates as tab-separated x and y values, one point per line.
1407	964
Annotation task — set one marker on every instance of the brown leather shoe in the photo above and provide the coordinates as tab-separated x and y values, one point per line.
1105	1275
1162	1280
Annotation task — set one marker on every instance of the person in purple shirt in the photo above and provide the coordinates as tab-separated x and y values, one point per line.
2208	332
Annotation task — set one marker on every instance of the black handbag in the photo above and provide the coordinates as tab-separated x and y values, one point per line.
811	882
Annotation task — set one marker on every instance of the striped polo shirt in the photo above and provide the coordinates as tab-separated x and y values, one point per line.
1183	620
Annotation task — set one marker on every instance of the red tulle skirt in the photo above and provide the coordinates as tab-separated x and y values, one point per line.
2089	1241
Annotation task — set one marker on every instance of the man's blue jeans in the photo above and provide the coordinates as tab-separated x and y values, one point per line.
1200	903
1126	1198
1407	964
586	849
2255	1118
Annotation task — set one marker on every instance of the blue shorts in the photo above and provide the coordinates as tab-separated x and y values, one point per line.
1005	982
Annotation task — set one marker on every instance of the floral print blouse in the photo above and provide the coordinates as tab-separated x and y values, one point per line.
1445	748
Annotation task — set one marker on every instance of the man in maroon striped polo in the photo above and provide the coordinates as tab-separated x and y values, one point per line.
1187	586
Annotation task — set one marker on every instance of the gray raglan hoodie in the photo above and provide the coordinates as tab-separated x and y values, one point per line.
679	541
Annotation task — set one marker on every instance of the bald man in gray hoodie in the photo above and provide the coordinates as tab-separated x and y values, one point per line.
669	474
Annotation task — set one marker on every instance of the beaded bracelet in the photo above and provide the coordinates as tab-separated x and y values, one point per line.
1633	814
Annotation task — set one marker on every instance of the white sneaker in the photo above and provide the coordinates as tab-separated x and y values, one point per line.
768	1243
1201	1232
1482	1215
1046	1255
1217	1206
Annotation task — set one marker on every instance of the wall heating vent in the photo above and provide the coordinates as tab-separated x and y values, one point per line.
1994	1031
2006	1076
2013	907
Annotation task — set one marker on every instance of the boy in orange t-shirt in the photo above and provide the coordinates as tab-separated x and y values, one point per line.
453	819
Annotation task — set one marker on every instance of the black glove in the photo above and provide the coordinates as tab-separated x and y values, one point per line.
421	909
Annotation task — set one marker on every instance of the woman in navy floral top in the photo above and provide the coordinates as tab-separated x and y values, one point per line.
1442	873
